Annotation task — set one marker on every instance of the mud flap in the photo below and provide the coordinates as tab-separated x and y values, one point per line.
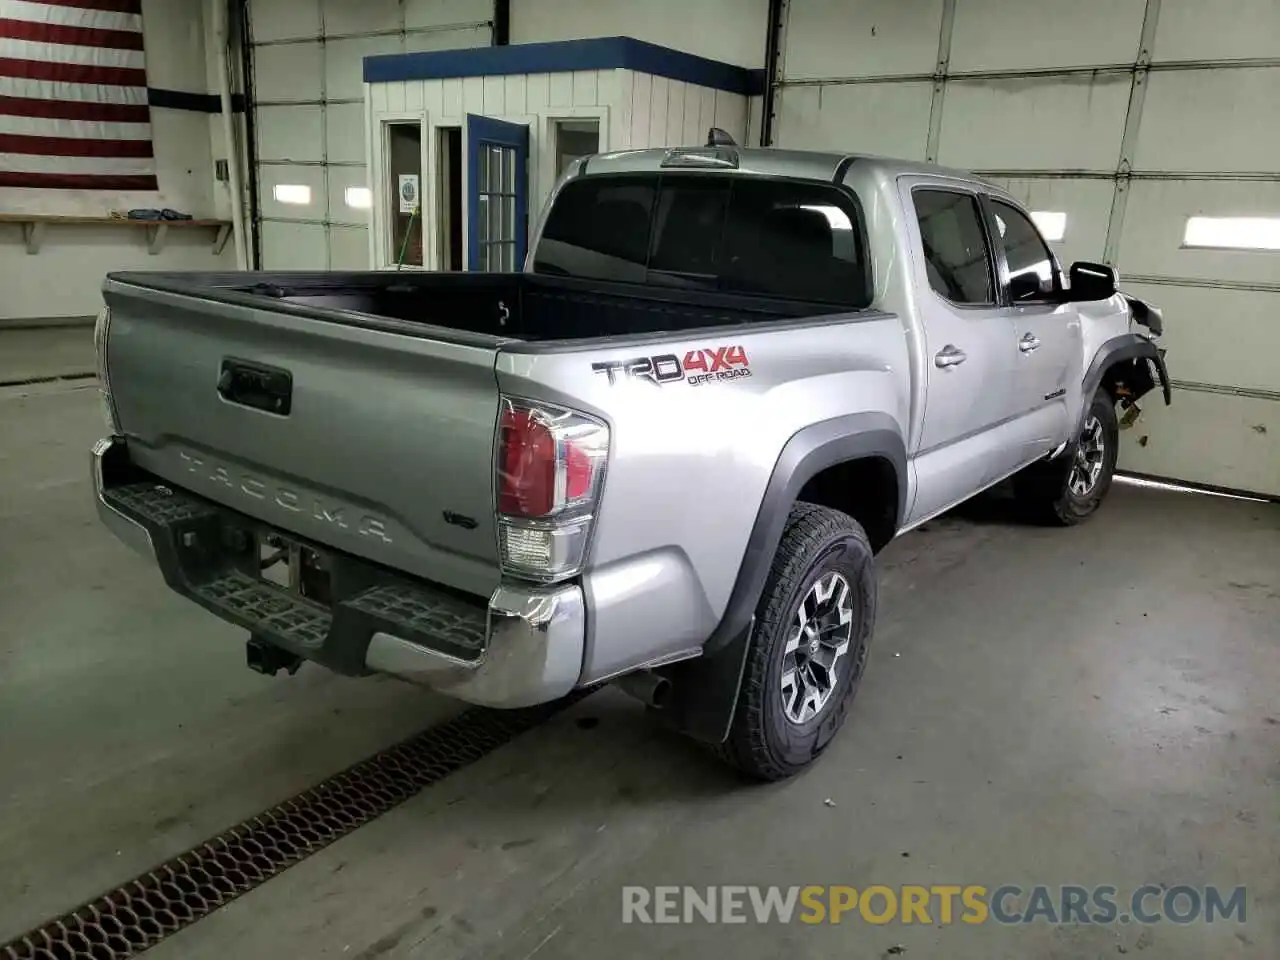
704	691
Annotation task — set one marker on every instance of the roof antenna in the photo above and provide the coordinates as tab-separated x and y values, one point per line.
718	138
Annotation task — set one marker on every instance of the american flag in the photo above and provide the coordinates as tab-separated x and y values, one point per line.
73	96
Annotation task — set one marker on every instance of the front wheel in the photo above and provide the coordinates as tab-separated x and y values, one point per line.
809	647
1070	489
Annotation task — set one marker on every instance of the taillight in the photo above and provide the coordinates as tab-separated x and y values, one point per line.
100	330
550	468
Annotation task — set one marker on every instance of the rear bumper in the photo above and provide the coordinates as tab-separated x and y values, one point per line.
523	646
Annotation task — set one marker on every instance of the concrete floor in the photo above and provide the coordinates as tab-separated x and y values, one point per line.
28	353
1090	706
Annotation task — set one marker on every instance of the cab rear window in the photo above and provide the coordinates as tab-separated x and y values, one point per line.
735	234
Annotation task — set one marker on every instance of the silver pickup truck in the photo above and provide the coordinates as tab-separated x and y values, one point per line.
664	455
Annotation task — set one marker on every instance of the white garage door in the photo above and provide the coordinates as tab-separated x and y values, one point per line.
1131	117
309	115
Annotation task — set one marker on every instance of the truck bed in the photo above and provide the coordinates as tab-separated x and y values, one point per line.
358	410
510	306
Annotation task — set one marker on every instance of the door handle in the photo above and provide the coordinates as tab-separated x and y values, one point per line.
1028	343
950	356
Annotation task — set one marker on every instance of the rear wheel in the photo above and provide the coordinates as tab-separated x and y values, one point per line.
1070	489
809	647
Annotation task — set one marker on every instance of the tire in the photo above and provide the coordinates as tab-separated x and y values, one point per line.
1069	490
821	550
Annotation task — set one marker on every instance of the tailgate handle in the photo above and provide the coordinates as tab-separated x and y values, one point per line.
256	385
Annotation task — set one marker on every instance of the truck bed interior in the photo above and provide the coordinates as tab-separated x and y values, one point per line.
516	305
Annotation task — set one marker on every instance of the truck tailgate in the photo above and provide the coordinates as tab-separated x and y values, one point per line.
383	447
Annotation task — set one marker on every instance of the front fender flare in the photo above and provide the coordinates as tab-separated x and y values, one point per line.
1121	349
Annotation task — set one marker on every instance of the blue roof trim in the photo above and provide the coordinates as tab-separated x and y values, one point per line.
602	53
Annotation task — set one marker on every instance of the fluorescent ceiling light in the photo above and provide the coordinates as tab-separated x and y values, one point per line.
1233	233
295	193
359	198
1052	223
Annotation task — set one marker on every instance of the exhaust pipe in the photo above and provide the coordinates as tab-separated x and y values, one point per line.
646	686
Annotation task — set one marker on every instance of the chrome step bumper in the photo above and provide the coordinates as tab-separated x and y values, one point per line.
522	647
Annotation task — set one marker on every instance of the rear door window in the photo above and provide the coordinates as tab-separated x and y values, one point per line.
773	238
957	260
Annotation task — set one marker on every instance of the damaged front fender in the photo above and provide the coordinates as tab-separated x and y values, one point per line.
1146	314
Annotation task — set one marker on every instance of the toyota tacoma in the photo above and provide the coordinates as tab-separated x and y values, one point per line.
665	454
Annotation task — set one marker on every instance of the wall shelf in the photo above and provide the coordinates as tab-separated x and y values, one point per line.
34	226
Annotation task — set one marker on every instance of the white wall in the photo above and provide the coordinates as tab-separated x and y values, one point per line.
634	110
64	278
1055	102
309	90
728	30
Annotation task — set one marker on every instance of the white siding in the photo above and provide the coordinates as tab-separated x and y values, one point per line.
668	113
1056	103
310	112
634	109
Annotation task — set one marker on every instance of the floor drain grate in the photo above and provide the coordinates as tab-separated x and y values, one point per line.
139	914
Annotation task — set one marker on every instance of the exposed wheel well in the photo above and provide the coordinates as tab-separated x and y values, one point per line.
1128	379
865	489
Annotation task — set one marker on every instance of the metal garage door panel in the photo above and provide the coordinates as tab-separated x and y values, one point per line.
1156	216
312	178
1208	438
344	133
1230	30
284	19
1235	115
344	64
1087	204
448	38
293	246
344	17
287	72
999	35
290	133
341	180
888	119
349	248
1034	124
433	13
1215	336
872	38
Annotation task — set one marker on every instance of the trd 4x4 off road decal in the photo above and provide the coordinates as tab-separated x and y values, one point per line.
711	365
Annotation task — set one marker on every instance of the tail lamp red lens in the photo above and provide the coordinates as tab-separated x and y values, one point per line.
526	466
547	460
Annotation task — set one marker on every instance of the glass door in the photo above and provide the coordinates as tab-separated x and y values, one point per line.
497	189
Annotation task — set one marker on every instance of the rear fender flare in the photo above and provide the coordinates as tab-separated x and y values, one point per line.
705	690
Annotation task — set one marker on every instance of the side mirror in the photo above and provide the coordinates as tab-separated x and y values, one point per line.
1091	281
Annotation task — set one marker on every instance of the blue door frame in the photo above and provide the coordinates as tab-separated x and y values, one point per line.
513	139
